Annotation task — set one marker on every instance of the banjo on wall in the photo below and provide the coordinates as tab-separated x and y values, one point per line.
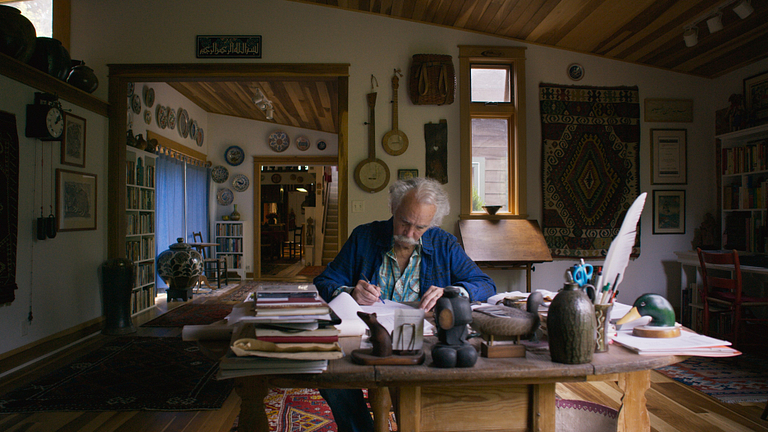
372	175
395	142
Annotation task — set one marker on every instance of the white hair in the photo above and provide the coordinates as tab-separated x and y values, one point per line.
426	191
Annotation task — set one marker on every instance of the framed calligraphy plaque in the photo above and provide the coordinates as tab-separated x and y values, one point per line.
669	110
669	156
228	46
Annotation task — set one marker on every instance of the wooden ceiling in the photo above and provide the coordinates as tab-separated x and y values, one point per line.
648	32
303	103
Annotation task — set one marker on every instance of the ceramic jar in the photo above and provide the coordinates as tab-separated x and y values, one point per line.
571	326
82	77
180	266
17	34
141	143
51	57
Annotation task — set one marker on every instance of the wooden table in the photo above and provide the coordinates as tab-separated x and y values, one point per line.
515	394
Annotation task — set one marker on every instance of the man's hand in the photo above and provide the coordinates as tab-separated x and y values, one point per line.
429	300
366	293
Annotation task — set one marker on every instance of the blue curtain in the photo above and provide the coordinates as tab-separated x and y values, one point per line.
197	201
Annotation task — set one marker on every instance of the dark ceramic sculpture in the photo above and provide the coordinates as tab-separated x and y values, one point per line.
17	34
452	314
571	326
82	77
51	57
180	267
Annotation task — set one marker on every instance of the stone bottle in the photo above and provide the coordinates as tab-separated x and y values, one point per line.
571	326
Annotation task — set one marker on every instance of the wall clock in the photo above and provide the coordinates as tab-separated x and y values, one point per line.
45	120
372	175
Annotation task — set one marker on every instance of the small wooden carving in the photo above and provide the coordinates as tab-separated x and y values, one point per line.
380	337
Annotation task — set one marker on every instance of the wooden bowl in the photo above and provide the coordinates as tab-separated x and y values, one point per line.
491	209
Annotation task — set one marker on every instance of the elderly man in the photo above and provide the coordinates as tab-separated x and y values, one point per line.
404	259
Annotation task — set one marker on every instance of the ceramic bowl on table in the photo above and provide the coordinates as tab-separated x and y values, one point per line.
491	209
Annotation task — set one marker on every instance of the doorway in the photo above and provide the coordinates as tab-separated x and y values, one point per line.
121	75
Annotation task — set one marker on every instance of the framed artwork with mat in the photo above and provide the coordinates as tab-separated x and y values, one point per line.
75	200
73	144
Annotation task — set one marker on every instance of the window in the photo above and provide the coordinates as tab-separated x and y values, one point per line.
492	130
39	12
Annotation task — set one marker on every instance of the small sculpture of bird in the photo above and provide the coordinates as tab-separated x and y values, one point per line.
662	316
506	321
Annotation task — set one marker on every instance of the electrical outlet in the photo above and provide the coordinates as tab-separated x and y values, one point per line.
24	328
247	268
358	206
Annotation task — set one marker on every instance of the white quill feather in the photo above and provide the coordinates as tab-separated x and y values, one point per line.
617	259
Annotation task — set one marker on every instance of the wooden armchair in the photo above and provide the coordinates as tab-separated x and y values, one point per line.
217	265
295	241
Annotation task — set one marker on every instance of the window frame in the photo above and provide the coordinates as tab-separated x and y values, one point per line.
513	112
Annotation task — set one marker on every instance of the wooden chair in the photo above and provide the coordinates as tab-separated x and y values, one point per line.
217	264
294	243
724	296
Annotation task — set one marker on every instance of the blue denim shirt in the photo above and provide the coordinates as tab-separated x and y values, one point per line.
444	262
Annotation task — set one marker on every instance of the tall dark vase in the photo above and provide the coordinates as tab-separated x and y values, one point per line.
116	286
17	34
51	57
571	326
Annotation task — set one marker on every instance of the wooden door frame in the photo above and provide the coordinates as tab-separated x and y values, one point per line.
121	74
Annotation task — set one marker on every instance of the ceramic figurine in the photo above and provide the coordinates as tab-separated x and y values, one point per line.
452	314
653	305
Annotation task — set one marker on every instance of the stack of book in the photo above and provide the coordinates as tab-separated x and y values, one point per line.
286	328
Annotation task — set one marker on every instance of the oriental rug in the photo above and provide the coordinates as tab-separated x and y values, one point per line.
127	374
9	208
311	271
731	379
590	162
191	314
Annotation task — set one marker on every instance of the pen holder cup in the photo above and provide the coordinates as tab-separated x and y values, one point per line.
603	316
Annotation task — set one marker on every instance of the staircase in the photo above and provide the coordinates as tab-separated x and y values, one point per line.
331	231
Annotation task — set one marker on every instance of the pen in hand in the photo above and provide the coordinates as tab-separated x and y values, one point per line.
369	283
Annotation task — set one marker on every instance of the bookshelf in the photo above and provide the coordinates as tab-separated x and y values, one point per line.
744	189
140	226
230	238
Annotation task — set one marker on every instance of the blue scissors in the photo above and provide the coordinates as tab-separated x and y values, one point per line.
582	273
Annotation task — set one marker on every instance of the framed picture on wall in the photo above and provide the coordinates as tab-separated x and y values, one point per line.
405	174
75	200
669	212
73	144
755	92
669	156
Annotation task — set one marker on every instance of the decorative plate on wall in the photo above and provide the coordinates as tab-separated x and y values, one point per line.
219	174
276	178
575	71
234	155
171	118
149	96
225	196
278	141
240	183
193	129
302	143
131	85
136	103
321	145
199	137
147	116
183	123
161	116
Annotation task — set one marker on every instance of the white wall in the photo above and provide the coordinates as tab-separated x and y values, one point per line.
58	279
154	31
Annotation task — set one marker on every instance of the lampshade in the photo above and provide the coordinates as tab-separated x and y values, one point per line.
691	36
715	23
743	9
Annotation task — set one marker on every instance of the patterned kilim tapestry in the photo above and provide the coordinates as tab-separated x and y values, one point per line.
590	161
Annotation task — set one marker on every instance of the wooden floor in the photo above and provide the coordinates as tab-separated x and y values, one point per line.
674	407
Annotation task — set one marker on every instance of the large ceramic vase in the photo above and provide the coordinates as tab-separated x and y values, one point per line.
180	267
235	216
17	34
571	326
51	57
82	77
117	284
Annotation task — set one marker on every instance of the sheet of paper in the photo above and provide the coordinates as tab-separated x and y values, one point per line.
684	341
346	308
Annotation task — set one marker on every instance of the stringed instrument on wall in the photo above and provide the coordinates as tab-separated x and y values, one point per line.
395	142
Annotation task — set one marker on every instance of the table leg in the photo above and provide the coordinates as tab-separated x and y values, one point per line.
633	413
543	408
380	404
252	391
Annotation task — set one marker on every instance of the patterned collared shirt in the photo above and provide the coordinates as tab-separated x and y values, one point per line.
403	287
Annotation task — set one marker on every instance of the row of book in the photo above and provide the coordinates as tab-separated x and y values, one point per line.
138	174
229	245
140	199
145	273
745	159
142	223
745	231
283	328
229	230
142	298
139	250
233	261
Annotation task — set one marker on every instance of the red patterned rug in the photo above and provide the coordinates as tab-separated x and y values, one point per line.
301	410
191	314
731	380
